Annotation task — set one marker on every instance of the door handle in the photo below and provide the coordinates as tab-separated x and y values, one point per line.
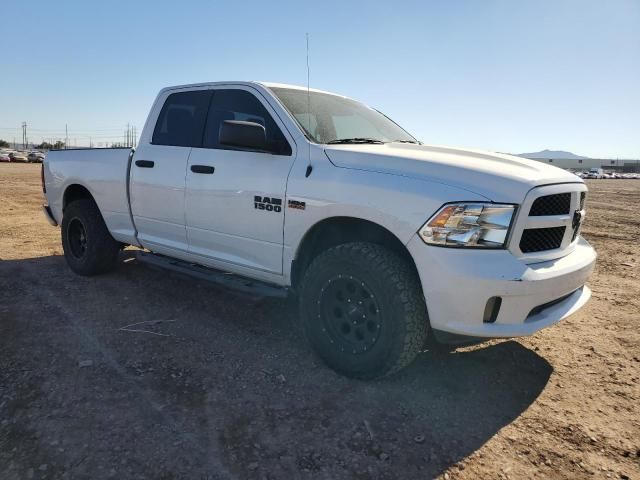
145	163
202	169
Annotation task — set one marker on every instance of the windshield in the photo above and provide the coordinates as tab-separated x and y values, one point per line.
335	119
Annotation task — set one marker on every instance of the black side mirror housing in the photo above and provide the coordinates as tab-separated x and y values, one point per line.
241	134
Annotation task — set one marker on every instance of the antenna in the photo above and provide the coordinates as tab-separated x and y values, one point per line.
309	167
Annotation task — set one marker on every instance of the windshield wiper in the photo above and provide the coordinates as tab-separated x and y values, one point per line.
406	141
355	140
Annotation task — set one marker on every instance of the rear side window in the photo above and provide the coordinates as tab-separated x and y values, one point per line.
242	105
182	118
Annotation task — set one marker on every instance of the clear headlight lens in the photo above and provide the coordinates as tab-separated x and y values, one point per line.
469	225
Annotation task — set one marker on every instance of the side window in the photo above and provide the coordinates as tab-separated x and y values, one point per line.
241	105
182	119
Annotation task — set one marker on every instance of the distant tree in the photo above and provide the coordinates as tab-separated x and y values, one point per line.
44	146
58	145
4	144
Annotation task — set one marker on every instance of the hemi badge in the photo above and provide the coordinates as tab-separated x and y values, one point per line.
297	205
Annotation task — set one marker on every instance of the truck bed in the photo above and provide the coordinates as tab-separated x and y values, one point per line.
104	172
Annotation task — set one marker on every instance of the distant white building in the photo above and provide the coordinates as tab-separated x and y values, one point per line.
587	163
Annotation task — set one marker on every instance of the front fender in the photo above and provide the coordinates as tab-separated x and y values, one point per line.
397	203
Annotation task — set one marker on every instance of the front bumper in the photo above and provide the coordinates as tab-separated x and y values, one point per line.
457	284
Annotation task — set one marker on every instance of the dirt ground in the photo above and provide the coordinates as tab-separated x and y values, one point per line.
226	386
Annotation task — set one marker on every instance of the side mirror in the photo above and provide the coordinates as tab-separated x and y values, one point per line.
241	134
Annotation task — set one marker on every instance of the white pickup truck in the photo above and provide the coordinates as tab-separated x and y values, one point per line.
384	240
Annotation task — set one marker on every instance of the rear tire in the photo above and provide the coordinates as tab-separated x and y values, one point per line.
363	311
88	246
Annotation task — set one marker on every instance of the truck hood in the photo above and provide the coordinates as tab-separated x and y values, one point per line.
498	177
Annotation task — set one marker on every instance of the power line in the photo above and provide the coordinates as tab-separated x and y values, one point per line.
102	137
54	130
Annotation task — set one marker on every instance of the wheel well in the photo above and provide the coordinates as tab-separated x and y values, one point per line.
338	230
74	192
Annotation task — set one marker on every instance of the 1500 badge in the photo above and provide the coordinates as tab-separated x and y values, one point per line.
269	204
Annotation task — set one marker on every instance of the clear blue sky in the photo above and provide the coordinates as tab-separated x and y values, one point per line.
511	76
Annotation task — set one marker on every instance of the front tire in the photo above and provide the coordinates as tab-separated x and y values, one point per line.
88	246
362	310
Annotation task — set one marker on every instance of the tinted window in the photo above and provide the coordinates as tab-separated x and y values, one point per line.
242	105
182	119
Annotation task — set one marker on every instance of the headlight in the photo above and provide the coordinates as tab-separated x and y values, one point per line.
469	225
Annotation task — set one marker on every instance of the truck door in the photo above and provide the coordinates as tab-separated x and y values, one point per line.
157	187
235	199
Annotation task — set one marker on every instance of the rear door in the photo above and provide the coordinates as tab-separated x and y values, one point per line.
235	197
159	168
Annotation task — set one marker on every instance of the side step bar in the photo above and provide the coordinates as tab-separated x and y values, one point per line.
210	275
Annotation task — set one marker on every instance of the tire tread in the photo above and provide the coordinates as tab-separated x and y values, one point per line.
102	250
405	282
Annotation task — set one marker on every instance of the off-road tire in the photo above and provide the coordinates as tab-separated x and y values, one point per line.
100	251
385	282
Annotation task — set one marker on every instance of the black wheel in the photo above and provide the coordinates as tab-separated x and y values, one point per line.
88	246
362	310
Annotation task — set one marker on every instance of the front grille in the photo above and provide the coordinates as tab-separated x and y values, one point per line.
558	204
540	239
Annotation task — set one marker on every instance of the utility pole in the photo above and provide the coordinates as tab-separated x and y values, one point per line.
24	134
66	137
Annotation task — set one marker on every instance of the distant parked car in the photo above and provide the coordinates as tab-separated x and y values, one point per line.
4	157
35	157
596	173
18	157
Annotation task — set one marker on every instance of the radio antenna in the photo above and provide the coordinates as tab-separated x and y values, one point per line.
309	167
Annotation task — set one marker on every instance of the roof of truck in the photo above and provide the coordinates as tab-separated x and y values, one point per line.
250	82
